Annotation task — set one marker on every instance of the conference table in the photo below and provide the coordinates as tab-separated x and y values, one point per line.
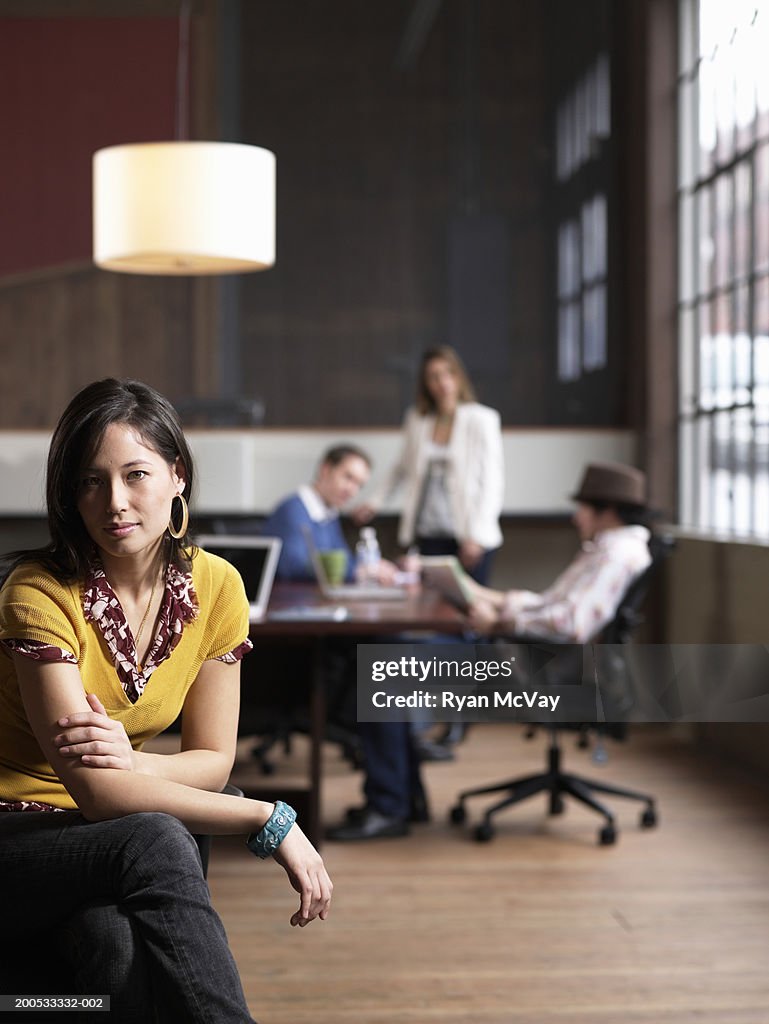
299	614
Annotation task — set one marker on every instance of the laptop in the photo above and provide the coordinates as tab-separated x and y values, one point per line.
255	558
444	574
347	591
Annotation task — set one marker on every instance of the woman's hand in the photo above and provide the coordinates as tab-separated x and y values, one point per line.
470	554
96	739
483	615
307	875
387	573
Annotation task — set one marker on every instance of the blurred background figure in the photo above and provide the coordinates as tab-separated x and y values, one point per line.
314	507
610	520
450	469
342	471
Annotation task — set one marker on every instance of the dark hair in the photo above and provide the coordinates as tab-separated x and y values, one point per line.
630	515
425	401
76	437
340	452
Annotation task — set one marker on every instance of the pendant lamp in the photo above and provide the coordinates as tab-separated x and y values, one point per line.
184	208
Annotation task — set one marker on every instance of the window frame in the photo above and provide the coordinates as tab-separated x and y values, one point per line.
723	334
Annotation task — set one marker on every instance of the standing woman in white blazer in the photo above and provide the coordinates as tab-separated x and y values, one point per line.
450	467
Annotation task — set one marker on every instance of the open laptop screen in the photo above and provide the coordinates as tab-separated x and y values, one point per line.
255	558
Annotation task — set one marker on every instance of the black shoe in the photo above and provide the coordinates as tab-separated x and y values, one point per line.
428	750
419	812
455	733
372	825
355	815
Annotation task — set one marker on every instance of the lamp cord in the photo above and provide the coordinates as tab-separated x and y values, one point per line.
183	72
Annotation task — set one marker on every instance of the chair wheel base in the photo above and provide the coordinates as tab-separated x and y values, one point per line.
483	833
607	836
457	815
649	818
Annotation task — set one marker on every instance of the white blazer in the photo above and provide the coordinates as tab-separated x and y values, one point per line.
476	473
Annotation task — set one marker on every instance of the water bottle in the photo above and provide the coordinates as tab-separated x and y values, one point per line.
368	556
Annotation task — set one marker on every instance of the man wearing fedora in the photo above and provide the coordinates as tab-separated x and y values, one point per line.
609	518
611	509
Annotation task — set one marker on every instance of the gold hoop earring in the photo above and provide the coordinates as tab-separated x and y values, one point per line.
178	534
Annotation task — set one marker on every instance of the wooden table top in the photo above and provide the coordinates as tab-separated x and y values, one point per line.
418	610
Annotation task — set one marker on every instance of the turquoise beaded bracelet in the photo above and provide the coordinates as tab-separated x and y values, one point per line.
275	830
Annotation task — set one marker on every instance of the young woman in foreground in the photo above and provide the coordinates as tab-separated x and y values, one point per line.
106	635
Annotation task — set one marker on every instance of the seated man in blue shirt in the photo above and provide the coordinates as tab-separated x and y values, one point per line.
342	472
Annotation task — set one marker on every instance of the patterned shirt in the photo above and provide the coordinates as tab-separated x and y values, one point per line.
585	597
101	606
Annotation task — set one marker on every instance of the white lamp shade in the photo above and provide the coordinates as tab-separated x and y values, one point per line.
184	208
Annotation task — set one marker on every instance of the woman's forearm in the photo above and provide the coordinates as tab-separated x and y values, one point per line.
112	793
494	597
201	769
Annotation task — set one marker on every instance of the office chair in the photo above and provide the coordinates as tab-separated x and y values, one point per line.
558	783
275	703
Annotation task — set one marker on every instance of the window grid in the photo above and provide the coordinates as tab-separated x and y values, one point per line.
583	121
724	266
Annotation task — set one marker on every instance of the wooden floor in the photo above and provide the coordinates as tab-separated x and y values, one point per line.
540	926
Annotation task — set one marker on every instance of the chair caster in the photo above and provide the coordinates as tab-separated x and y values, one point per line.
457	815
607	836
484	832
649	818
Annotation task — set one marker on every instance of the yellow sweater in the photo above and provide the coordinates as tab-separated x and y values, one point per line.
34	606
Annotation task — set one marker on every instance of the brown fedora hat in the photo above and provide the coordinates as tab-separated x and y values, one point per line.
612	482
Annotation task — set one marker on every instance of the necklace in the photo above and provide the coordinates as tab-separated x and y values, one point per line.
444	425
144	619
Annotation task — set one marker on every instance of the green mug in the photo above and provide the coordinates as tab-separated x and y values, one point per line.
334	564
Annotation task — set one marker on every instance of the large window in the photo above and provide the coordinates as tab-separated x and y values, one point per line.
724	265
583	124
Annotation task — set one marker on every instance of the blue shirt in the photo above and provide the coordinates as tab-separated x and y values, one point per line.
288	521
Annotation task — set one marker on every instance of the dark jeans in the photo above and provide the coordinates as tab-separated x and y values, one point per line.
127	902
449	546
393	782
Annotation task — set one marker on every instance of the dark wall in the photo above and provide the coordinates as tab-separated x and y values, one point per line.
415	207
75	78
579	33
63	330
411	206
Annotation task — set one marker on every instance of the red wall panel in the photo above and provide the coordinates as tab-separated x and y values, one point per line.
69	86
